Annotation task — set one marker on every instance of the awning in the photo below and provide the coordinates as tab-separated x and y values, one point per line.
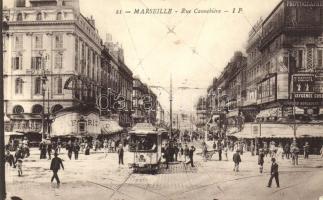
110	127
309	130
8	134
244	133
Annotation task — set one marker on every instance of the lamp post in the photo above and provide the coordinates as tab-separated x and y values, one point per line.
2	144
43	82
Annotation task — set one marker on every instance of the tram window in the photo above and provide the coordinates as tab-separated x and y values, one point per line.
143	143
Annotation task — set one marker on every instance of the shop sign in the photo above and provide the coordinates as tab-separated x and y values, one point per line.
303	83
308	96
27	126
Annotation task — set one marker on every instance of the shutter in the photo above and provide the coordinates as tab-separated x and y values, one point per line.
13	63
20	62
33	61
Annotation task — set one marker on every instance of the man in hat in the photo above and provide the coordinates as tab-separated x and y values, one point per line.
273	173
191	153
261	160
236	159
306	150
120	154
55	165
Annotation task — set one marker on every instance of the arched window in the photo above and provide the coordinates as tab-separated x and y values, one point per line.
18	109
19	17
18	86
37	109
59	16
57	108
38	85
39	16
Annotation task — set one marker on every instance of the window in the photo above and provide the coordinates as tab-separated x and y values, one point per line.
319	58
37	109
18	109
38	85
38	41
59	16
20	3
19	17
58	85
59	41
16	63
58	60
18	86
300	59
19	42
57	108
39	16
36	63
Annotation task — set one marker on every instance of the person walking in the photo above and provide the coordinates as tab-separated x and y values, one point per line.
120	154
220	151
204	151
261	161
306	150
176	150
69	148
49	150
87	148
10	159
191	154
55	165
236	159
287	150
214	145
186	152
76	149
273	173
167	154
294	151
19	166
42	148
225	150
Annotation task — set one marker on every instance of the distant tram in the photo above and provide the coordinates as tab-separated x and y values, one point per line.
146	142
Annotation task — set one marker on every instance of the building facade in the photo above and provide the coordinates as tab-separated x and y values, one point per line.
280	81
144	103
54	59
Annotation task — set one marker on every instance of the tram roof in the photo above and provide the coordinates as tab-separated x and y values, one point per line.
145	129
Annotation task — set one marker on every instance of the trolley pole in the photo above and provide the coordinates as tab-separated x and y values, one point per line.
2	144
171	107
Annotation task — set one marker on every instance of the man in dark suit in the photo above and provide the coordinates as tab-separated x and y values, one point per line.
167	154
190	154
55	166
273	173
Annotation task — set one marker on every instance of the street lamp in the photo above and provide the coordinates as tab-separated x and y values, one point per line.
43	82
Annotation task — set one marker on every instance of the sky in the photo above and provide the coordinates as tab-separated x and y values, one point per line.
196	52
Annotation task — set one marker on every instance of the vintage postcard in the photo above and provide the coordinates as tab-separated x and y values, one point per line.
161	100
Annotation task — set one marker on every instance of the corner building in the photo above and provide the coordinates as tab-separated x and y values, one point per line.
52	39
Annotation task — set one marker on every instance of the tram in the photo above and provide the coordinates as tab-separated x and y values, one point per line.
146	143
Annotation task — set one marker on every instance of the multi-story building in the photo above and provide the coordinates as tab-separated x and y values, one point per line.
51	52
282	80
144	103
118	81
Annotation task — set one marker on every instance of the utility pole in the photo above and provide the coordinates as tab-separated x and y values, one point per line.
171	107
2	145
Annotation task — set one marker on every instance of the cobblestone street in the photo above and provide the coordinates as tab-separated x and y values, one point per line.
97	177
